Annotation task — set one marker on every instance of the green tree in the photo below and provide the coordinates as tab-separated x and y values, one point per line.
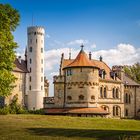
9	19
133	71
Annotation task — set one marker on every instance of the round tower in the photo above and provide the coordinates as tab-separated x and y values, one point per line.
35	65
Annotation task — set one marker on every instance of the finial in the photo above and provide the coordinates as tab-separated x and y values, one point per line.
82	47
69	53
90	55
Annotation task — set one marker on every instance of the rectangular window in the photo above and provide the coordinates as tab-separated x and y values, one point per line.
30	70
41	50
30	79
30	49
41	87
30	87
30	60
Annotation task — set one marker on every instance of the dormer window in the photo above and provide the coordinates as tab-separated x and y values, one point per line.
102	73
113	75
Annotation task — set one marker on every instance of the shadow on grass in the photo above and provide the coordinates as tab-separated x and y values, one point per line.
86	133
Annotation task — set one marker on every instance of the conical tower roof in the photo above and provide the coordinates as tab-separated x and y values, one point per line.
81	60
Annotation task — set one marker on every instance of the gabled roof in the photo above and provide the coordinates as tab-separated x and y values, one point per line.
128	81
20	66
81	61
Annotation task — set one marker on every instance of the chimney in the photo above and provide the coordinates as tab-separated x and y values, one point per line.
90	55
101	58
19	59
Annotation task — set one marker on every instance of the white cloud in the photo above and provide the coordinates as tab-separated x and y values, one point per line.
93	46
48	36
78	42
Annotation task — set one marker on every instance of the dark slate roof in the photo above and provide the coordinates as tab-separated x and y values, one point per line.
20	67
128	81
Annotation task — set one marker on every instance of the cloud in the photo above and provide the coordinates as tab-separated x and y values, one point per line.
77	42
93	46
48	36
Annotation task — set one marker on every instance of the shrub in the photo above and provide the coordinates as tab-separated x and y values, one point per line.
39	111
4	110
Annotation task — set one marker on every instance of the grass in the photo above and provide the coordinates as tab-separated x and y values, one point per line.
34	127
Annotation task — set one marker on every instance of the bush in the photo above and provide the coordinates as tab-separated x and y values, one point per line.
4	110
39	111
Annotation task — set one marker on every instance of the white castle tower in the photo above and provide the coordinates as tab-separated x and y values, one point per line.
35	65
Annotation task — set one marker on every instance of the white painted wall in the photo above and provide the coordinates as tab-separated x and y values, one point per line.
36	41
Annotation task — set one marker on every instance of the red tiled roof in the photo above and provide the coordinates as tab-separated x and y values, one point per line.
81	61
96	110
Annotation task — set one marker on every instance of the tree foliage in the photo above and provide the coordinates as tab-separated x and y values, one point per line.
133	71
9	19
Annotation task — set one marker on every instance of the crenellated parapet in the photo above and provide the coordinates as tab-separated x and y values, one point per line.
82	84
58	79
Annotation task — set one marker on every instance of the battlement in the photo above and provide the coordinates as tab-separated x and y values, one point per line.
117	68
59	78
39	30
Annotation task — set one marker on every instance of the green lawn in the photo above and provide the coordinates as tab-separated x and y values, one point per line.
26	127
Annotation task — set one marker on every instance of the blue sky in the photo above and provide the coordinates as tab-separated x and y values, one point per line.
110	28
105	22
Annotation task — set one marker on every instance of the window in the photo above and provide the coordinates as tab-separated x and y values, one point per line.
41	50
101	92
34	33
116	111
126	112
41	87
69	98
81	97
30	79
127	98
41	61
30	87
30	49
69	72
105	95
30	60
41	79
92	97
115	93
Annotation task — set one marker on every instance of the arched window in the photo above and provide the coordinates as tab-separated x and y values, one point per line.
92	97
117	93
113	92
105	94
116	111
81	97
69	98
126	98
101	92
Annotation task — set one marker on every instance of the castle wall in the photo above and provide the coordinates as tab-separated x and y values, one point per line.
19	89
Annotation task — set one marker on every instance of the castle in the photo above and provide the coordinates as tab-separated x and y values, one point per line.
84	86
88	87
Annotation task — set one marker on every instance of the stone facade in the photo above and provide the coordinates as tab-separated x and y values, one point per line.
81	84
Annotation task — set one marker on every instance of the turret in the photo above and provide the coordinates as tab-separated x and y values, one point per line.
35	65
